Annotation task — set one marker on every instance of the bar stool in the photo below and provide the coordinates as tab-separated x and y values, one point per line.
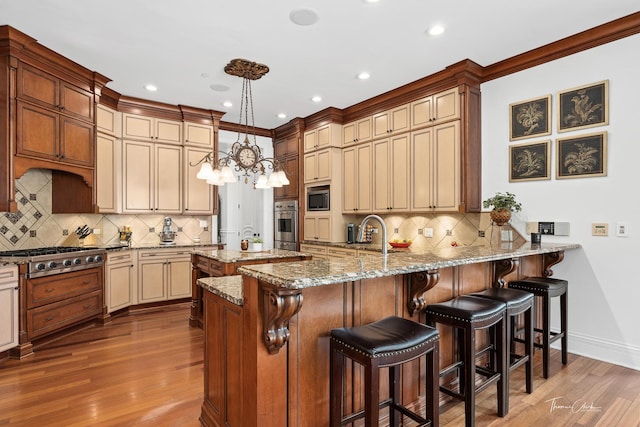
389	342
469	314
546	288
517	302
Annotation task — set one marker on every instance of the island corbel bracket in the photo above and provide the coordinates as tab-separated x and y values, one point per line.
419	283
550	259
501	268
280	305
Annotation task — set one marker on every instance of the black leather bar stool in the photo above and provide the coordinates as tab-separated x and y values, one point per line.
517	302
546	288
469	314
389	342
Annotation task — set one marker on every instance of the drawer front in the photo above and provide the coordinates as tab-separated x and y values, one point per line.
203	263
340	252
9	274
52	317
46	290
216	269
120	257
314	249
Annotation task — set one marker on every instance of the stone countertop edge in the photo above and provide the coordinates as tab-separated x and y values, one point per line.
305	274
228	256
114	248
227	287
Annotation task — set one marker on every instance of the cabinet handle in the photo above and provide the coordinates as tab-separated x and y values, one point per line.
86	282
50	290
86	306
50	318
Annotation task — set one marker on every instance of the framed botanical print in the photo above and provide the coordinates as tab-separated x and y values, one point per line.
530	118
530	162
582	156
583	107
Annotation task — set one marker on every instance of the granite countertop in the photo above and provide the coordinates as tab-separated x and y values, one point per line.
360	246
228	256
158	246
304	274
227	287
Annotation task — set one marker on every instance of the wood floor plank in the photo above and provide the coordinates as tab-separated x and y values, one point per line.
146	369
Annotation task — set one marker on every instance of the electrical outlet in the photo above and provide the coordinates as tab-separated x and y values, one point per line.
449	233
97	231
203	223
428	232
374	230
622	229
396	230
600	229
480	233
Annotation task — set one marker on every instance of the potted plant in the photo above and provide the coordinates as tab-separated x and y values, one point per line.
257	243
503	204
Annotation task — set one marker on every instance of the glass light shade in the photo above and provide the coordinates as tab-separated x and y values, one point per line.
283	178
262	182
205	171
274	180
215	178
227	175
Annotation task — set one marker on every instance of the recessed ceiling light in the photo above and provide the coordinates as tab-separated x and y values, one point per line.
436	30
364	75
227	104
371	1
316	98
151	88
282	116
219	88
204	75
303	17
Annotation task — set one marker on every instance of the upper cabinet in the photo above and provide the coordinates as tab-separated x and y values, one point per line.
392	121
198	135
391	184
323	137
151	129
108	121
198	195
356	132
435	109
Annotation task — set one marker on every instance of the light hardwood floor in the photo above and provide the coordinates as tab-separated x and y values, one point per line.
145	369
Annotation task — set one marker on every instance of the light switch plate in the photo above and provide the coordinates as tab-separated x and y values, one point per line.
622	229
600	229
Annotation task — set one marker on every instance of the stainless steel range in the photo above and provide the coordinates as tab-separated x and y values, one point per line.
55	260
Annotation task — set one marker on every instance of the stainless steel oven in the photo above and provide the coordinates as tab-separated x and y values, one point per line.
285	215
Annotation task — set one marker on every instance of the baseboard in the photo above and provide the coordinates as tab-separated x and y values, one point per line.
600	349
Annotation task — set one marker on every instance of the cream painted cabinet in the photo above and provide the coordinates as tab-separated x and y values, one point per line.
391	174
392	121
151	129
120	280
108	172
316	251
435	109
435	168
152	178
108	121
317	227
322	137
198	195
9	307
356	176
356	132
163	274
198	135
317	166
341	253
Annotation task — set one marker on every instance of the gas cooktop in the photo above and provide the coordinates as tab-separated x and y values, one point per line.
53	250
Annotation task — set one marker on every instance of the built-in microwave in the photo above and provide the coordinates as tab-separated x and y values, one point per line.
318	198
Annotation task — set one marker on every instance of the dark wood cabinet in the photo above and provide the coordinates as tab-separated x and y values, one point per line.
286	149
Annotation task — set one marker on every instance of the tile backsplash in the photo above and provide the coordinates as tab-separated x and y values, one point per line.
33	225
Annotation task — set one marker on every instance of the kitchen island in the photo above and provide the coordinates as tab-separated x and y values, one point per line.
267	350
222	262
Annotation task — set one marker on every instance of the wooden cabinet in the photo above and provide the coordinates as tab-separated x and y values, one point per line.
316	251
356	132
317	227
151	129
198	135
108	121
53	303
392	121
152	178
120	280
51	136
163	274
322	137
435	109
435	168
108	173
356	175
391	183
9	307
199	197
286	192
317	166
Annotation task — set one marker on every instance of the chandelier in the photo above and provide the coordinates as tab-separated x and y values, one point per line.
244	159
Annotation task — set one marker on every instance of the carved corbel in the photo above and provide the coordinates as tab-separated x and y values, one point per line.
419	283
501	268
280	305
550	259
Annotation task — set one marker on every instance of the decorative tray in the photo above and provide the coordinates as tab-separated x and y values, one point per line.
400	244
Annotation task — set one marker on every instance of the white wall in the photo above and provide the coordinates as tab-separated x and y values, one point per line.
243	205
604	293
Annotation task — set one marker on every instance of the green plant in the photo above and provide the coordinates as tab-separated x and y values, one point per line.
503	201
257	240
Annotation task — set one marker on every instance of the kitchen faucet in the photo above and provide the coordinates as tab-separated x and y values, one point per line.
384	231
